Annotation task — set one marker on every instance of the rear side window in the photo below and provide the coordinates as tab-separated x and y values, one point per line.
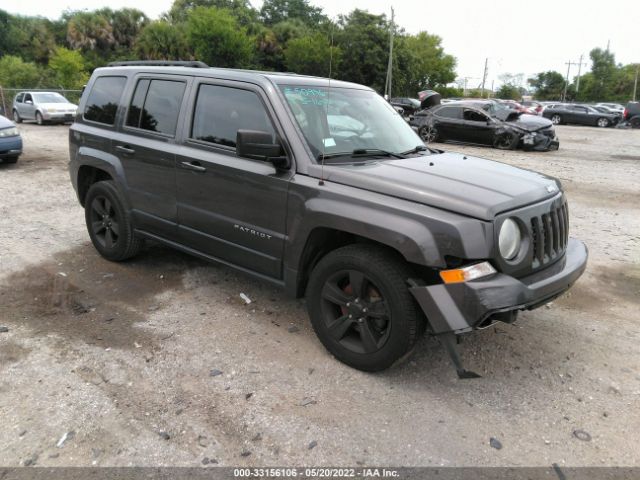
449	112
155	105
221	111
103	100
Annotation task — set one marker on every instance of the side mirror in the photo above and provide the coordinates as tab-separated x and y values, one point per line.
28	102
258	144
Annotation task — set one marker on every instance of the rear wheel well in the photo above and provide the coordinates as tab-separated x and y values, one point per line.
87	176
323	240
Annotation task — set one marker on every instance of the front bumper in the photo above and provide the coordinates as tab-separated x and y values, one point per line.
540	142
10	146
461	307
58	116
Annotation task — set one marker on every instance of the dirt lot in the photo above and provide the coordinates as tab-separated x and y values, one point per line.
118	356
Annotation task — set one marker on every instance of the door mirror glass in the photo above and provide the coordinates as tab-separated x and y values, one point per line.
28	102
260	145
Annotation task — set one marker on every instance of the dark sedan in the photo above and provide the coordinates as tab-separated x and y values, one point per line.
580	115
487	123
10	141
408	105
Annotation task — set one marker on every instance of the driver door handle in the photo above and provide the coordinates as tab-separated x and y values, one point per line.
195	166
125	150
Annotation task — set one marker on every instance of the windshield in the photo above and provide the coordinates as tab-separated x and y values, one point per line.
346	120
49	98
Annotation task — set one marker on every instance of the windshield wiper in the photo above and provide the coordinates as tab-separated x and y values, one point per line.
359	153
418	148
366	152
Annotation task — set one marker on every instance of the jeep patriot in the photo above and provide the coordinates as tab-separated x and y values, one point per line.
320	187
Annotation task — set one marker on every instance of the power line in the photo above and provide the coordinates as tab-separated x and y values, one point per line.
566	83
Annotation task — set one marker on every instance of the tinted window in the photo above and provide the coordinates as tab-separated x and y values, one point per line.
449	112
221	111
474	116
155	105
27	96
19	98
103	100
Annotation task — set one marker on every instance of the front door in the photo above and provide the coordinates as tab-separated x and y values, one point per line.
477	127
147	150
27	109
231	208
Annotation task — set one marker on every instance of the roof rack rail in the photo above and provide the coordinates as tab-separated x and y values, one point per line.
159	63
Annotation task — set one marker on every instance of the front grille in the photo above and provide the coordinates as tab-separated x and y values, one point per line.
550	234
549	132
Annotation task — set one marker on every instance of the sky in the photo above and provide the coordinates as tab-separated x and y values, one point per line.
515	36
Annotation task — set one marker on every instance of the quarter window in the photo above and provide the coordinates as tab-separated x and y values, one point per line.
103	100
221	111
155	105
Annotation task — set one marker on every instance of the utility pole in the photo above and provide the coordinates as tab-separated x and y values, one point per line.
484	76
579	70
387	87
635	83
566	83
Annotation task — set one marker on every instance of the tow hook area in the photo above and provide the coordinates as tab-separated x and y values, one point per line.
448	341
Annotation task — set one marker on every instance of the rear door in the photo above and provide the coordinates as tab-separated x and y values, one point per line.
449	122
231	208
146	147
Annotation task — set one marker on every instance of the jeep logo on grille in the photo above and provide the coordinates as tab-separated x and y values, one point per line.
251	231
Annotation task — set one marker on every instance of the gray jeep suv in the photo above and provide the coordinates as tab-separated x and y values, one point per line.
320	187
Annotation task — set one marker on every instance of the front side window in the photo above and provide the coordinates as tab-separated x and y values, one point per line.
474	116
343	120
221	111
19	98
155	105
103	100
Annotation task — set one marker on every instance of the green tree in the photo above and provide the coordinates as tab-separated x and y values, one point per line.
160	40
245	14
218	39
420	63
67	67
90	31
603	71
311	54
508	91
16	73
547	85
276	11
126	24
363	39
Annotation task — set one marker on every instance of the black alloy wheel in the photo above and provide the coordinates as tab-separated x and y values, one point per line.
505	141
361	308
104	222
355	312
109	222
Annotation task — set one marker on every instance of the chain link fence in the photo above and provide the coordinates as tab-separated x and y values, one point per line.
8	94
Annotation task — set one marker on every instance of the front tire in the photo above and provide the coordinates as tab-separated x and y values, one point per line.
602	122
361	308
39	119
109	223
556	119
635	122
10	159
429	134
506	141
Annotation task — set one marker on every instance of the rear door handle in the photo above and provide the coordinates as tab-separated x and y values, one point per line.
125	150
195	166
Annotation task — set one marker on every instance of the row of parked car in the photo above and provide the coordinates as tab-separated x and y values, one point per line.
41	107
506	124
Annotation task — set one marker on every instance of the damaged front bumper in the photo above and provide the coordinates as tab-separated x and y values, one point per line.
539	142
462	307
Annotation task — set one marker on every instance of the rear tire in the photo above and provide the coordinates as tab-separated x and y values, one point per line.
16	116
429	134
361	308
109	223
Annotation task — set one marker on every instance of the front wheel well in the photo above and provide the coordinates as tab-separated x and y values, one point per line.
87	176
324	240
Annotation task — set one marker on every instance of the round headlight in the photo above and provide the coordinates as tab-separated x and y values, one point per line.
509	239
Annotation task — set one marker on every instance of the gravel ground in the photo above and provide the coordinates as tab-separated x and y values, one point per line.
114	364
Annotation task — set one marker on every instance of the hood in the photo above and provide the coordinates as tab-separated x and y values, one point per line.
58	106
471	186
528	122
5	122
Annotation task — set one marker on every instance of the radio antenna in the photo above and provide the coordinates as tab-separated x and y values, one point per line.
321	182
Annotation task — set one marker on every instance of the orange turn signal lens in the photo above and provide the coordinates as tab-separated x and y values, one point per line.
459	275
